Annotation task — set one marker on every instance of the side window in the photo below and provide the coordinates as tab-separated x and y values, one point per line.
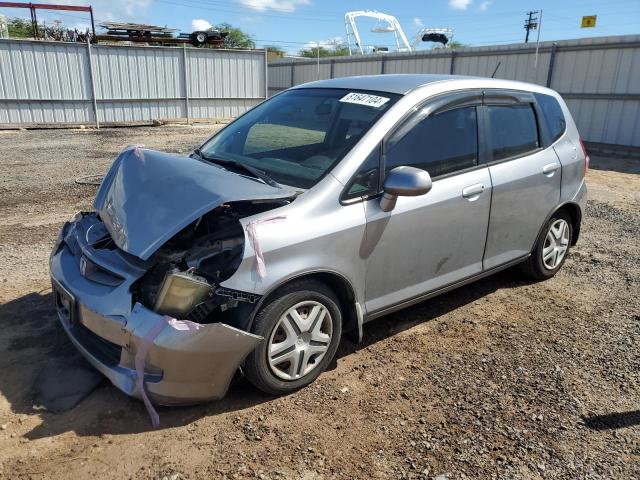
553	116
442	143
366	181
513	130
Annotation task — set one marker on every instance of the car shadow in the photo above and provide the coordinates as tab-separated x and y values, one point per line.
393	323
32	338
612	421
616	164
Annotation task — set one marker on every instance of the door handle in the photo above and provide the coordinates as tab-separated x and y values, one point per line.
550	168
473	190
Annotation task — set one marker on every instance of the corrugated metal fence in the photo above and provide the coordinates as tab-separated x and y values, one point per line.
598	77
69	83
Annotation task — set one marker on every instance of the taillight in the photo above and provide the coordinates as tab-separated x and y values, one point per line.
586	158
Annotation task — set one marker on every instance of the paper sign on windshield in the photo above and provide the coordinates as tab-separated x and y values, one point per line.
364	99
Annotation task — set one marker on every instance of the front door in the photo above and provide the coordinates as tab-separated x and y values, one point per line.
436	239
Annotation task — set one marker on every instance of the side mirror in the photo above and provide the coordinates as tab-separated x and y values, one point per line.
405	182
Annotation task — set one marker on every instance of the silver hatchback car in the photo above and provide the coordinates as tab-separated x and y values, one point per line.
324	207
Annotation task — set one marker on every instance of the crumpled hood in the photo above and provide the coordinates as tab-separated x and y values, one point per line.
148	196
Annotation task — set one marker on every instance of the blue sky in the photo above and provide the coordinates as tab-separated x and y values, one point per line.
293	23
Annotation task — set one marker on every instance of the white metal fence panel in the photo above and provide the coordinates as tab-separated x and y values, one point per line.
598	77
439	65
51	82
130	73
522	67
357	68
310	72
34	112
228	74
279	77
221	108
40	82
597	70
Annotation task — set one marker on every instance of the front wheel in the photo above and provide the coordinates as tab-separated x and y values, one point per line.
301	327
552	247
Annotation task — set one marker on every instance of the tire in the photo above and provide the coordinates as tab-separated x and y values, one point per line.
543	262
296	348
198	38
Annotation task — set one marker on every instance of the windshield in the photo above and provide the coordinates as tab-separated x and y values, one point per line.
301	134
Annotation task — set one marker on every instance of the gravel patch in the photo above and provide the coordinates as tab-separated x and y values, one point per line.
503	378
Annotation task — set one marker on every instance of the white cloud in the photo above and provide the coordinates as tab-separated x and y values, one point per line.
200	24
417	22
460	4
277	5
329	42
484	6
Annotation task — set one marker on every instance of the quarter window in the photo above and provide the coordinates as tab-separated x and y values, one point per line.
440	144
366	181
553	116
513	130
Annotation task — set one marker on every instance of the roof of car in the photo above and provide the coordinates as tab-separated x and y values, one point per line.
392	83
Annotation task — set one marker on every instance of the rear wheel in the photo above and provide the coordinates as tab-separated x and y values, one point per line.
301	327
552	247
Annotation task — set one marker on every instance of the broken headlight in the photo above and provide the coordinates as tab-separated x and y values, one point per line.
180	293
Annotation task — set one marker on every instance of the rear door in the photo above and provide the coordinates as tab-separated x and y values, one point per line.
525	176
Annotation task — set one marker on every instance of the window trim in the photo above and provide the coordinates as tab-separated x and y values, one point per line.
436	104
361	198
543	118
494	100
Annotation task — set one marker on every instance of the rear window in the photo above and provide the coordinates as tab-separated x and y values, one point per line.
553	116
513	130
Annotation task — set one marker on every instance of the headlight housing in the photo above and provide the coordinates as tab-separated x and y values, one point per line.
180	293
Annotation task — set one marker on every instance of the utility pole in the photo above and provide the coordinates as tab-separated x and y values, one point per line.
531	23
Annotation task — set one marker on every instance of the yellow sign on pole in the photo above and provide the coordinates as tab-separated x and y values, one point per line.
588	21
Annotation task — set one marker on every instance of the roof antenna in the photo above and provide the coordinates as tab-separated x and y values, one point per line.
496	70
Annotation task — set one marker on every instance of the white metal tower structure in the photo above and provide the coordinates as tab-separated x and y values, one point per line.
386	24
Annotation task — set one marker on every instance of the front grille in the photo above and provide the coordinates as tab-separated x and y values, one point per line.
105	351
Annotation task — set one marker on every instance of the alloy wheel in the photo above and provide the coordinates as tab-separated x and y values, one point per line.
299	340
556	244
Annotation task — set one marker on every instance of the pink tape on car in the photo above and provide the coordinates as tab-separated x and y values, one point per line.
141	356
184	325
140	361
255	242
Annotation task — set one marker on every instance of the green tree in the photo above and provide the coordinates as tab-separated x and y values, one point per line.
236	38
337	49
19	28
313	52
456	44
279	52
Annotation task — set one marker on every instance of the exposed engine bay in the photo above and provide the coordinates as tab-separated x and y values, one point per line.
185	274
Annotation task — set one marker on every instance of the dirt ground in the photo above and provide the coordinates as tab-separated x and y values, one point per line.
500	379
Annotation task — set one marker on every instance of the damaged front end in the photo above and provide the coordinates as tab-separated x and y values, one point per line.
184	276
120	291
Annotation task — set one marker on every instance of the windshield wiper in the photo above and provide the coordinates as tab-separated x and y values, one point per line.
253	171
